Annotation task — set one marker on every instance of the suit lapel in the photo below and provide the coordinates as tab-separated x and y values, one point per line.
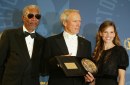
36	46
23	47
80	47
61	43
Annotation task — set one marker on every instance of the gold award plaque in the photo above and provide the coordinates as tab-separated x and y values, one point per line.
71	66
89	65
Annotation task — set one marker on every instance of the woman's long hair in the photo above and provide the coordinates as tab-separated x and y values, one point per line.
99	41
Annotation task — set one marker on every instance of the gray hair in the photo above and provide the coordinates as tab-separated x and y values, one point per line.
64	15
25	10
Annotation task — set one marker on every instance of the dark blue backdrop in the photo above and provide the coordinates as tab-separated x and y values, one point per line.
93	12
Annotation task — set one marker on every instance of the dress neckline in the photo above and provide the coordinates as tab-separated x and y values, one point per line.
110	48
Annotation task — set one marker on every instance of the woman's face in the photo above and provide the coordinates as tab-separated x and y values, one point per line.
108	34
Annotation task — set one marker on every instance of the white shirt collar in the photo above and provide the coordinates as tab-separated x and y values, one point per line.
67	35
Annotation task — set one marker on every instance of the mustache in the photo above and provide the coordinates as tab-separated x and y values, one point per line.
36	23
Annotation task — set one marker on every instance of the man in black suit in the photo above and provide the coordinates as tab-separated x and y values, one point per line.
21	51
66	43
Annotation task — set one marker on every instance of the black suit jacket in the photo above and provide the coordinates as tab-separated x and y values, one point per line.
16	66
55	46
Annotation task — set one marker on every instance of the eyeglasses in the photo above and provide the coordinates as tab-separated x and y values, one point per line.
38	16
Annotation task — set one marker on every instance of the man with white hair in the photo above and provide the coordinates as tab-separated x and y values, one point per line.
66	43
21	50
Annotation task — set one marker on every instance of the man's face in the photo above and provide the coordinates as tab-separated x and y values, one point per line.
72	25
31	19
